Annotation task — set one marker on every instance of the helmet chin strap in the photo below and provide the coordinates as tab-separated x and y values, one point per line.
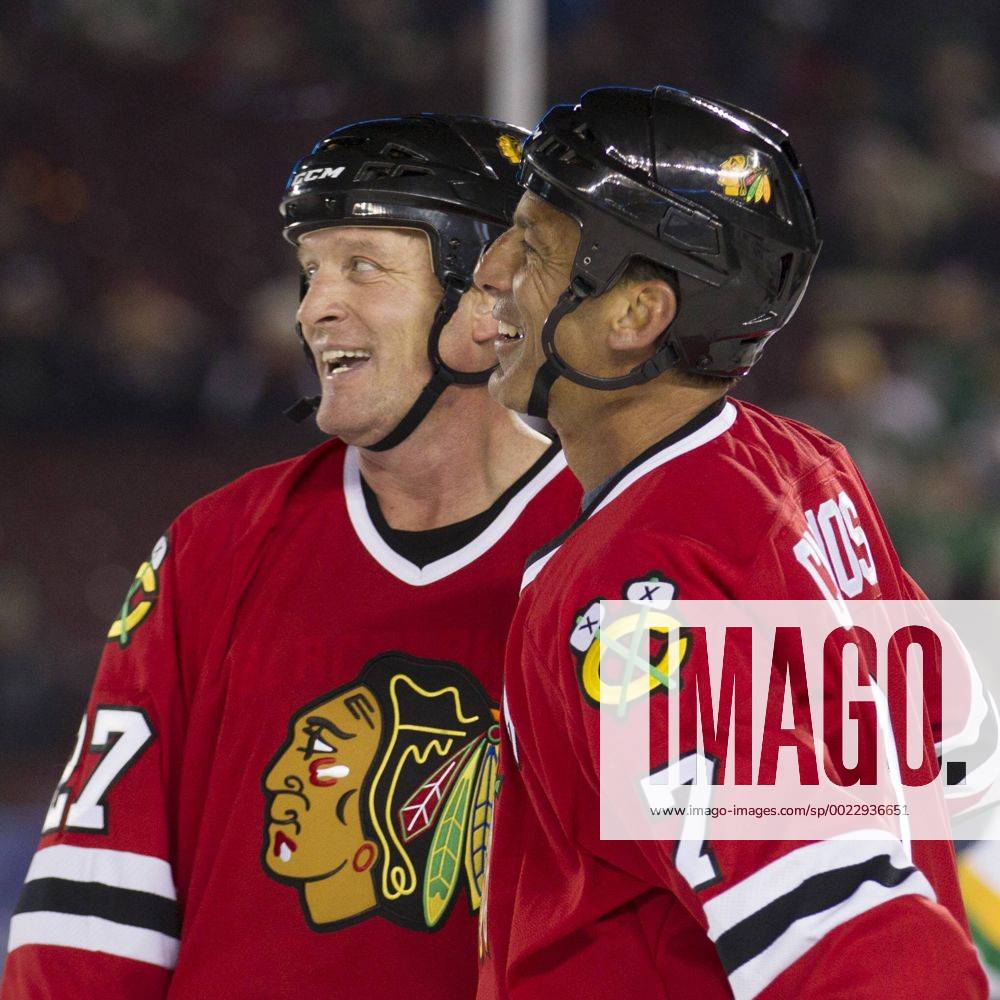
442	375
553	366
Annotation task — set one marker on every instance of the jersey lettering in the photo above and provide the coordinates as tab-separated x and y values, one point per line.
120	735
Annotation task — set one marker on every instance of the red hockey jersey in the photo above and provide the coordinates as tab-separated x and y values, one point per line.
715	510
284	779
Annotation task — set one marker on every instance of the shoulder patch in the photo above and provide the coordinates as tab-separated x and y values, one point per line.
141	597
610	669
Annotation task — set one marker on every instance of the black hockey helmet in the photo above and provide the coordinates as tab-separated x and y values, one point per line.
453	177
714	193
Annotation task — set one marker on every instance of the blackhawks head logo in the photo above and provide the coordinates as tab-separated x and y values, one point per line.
381	798
744	177
510	146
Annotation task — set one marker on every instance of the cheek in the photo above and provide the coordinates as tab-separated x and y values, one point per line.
327	771
401	341
536	294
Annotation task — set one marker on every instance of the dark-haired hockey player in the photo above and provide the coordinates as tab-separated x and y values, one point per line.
666	238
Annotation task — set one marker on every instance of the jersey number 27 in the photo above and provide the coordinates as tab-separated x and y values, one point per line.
120	735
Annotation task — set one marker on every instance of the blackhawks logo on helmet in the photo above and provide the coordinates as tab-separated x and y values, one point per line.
744	177
141	597
380	800
510	147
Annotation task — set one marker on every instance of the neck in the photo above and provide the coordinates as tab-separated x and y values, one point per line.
609	429
341	896
460	459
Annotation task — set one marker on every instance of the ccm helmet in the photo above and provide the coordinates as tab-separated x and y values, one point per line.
714	193
453	177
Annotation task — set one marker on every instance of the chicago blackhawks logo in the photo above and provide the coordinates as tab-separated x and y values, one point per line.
611	666
510	147
141	596
744	177
380	801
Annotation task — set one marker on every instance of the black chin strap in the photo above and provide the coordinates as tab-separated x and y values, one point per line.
441	374
553	366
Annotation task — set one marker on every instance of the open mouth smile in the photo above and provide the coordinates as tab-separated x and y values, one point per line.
508	332
338	362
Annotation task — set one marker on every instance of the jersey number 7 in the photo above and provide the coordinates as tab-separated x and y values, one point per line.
120	735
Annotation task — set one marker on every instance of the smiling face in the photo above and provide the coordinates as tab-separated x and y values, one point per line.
371	298
525	271
314	786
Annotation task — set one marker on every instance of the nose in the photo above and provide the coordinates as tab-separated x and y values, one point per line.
322	304
484	326
281	778
495	271
286	808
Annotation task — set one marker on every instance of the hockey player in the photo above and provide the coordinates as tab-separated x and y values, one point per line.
284	779
665	238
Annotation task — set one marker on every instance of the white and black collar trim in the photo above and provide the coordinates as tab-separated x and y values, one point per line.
711	423
545	470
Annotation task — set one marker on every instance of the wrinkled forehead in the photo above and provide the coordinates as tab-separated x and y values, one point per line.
393	240
536	215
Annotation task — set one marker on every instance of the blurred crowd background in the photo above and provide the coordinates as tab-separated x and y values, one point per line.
146	295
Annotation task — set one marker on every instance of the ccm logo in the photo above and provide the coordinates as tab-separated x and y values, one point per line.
319	174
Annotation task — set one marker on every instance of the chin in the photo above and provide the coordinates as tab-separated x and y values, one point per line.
360	433
504	390
332	423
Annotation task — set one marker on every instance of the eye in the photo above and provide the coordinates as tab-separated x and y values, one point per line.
307	271
362	264
315	744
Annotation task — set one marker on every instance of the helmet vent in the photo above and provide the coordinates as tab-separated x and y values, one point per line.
786	266
550	144
396	152
558	149
413	171
379	171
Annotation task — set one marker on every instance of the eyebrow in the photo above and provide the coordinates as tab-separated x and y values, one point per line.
522	221
357	244
321	723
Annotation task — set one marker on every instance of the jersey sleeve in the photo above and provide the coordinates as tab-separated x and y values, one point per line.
98	915
787	919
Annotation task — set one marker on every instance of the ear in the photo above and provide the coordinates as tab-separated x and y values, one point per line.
643	311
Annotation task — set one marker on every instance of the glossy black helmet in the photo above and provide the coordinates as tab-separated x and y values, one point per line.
454	177
714	193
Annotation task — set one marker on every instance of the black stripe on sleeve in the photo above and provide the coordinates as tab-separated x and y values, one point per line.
94	899
756	933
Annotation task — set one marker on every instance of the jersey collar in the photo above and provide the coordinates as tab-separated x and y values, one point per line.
711	423
417	576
